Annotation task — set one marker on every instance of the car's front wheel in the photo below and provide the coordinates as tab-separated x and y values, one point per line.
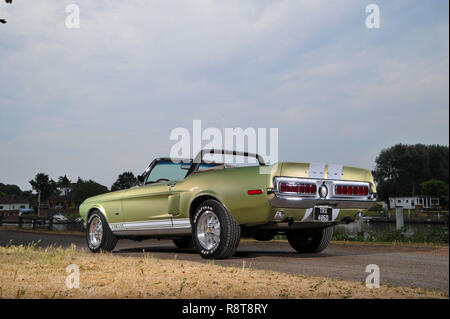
216	234
310	240
98	234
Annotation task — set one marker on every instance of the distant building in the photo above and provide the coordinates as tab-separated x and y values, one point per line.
414	202
12	204
61	200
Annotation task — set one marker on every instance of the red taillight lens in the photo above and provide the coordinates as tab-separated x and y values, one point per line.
344	190
360	190
352	190
304	188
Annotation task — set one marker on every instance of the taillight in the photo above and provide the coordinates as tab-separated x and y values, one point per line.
303	188
352	190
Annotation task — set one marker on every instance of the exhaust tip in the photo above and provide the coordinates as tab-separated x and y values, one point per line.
280	215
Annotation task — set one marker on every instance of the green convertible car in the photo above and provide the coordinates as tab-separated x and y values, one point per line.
209	205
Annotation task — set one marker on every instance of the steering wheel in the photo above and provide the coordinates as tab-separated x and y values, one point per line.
162	179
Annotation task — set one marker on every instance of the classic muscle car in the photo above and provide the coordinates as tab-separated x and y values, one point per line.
209	205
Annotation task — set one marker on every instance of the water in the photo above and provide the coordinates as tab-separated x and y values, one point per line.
381	227
56	227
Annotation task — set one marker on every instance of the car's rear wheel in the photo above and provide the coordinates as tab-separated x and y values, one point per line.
98	234
215	232
185	242
310	240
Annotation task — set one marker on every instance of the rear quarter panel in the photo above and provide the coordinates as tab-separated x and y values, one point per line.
230	186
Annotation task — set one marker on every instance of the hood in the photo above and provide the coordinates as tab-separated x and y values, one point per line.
106	196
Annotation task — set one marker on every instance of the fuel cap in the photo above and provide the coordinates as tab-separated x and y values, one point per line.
323	191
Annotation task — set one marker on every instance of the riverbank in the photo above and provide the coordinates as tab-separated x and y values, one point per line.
435	235
43	231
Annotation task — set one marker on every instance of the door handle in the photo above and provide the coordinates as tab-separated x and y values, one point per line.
171	184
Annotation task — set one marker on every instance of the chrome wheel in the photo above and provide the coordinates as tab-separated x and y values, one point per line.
208	230
95	232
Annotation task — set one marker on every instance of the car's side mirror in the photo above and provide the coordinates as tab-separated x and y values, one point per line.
140	178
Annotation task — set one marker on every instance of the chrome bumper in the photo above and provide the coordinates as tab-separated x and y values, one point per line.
296	202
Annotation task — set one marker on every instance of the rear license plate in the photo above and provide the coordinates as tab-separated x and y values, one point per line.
323	214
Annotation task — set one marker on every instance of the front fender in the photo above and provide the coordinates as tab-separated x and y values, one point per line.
86	209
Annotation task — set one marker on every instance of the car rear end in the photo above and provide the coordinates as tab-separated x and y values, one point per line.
318	194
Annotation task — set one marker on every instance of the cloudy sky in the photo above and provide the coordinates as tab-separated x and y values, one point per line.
99	100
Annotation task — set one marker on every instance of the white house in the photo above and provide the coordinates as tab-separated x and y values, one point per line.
414	202
13	203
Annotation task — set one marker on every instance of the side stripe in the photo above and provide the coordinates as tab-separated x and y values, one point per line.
154	224
334	171
317	170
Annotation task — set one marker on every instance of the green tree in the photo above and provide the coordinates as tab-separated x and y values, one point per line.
401	169
124	181
438	188
84	189
10	189
63	182
6	190
43	184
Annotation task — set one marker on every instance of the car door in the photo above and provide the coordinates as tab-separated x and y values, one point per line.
146	207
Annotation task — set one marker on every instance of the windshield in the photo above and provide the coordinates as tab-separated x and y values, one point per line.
170	171
167	171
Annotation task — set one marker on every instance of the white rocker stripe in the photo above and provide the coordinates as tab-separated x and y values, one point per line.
181	223
154	224
163	223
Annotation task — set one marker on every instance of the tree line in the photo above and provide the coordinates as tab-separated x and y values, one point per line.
77	191
401	170
408	170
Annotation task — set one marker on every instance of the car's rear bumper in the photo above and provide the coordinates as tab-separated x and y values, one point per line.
290	202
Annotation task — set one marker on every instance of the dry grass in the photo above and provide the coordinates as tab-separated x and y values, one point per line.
29	272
